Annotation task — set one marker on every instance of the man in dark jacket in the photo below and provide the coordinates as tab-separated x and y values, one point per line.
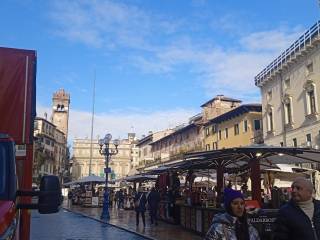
299	219
140	201
153	202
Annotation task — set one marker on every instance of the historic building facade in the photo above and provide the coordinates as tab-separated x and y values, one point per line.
238	127
183	139
50	150
217	106
146	155
51	155
60	110
120	163
290	88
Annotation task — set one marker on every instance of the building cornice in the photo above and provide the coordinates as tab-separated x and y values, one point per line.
300	47
243	109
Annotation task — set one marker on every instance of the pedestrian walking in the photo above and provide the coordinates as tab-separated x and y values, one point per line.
132	196
140	201
233	224
111	197
153	203
70	196
121	199
116	199
299	219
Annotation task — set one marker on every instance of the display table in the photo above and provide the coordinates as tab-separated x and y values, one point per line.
199	219
87	200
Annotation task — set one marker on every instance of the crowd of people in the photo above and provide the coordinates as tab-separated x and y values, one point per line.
140	201
299	218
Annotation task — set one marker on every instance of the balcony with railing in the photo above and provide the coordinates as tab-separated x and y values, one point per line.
298	48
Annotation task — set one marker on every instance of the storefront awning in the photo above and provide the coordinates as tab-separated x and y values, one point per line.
139	178
238	159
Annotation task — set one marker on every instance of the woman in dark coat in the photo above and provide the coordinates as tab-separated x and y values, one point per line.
140	201
153	203
233	224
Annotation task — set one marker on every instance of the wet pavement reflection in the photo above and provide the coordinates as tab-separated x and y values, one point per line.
126	219
71	226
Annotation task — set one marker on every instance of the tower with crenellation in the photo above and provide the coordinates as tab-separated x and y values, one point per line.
60	110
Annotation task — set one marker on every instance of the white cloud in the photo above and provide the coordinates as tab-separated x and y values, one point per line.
274	40
231	23
233	71
107	24
42	110
120	123
222	69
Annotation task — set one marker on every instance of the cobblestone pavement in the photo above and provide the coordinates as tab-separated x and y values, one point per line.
66	225
126	219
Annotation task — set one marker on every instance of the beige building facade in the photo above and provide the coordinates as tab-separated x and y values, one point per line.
60	110
146	155
50	150
220	104
120	164
186	138
241	126
51	155
290	88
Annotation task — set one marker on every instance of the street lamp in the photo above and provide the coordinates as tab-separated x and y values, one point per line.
107	152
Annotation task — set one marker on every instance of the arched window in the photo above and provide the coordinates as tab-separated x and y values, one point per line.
287	104
270	125
311	97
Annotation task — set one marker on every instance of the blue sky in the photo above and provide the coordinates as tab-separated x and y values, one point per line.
156	61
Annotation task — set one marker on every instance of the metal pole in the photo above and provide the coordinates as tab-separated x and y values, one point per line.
107	166
255	179
92	121
105	211
107	153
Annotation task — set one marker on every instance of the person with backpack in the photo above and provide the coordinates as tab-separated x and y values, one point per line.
140	201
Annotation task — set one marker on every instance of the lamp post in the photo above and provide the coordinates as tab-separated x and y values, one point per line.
107	152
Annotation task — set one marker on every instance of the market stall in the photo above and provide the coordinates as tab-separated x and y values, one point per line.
129	183
246	163
88	191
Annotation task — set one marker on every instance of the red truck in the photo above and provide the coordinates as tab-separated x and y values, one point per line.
17	113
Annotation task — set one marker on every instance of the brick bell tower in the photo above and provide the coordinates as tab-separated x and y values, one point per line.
60	110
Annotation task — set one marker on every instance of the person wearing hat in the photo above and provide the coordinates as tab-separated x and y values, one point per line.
233	224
